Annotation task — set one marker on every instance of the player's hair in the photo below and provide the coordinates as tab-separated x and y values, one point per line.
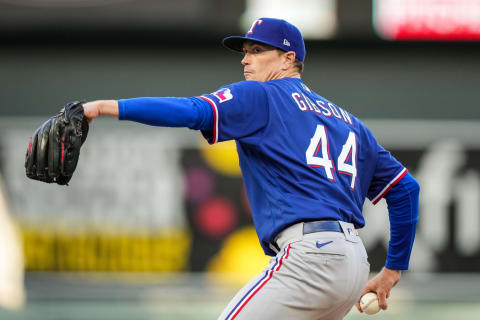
299	64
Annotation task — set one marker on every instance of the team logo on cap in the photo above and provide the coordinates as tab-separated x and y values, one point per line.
223	95
254	24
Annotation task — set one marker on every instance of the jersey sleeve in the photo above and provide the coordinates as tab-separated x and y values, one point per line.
402	201
240	110
388	172
193	113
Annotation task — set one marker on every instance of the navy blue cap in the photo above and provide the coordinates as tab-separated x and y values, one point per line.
274	32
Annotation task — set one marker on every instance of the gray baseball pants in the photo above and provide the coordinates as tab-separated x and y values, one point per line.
314	276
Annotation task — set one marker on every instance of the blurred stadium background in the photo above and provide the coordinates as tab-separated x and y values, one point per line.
155	224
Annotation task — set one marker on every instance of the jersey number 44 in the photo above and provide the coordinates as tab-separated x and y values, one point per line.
346	161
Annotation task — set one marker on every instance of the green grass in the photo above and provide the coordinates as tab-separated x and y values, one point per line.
52	296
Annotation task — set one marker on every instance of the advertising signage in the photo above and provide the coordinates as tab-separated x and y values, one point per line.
437	20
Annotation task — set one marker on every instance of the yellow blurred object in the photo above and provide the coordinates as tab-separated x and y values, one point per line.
64	250
222	157
240	259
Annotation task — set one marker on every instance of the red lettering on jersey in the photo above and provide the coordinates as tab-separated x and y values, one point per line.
254	24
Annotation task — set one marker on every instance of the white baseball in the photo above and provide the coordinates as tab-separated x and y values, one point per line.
369	303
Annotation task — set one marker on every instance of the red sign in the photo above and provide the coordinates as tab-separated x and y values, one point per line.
428	19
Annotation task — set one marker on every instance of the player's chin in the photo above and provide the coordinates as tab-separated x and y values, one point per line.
248	76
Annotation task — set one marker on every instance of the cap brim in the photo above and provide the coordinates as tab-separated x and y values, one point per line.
234	43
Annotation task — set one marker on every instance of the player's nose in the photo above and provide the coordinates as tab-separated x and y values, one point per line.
246	59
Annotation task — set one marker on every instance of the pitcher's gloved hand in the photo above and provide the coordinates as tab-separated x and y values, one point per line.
53	150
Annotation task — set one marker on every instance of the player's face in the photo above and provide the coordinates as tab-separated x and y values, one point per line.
261	62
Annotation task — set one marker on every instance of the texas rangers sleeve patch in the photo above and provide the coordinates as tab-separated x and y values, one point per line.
223	95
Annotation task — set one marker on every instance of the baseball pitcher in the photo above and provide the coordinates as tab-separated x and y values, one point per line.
308	166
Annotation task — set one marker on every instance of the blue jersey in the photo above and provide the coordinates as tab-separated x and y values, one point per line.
302	157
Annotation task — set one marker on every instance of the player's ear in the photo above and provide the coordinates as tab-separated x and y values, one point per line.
288	59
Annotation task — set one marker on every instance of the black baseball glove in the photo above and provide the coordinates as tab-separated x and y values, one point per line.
54	148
